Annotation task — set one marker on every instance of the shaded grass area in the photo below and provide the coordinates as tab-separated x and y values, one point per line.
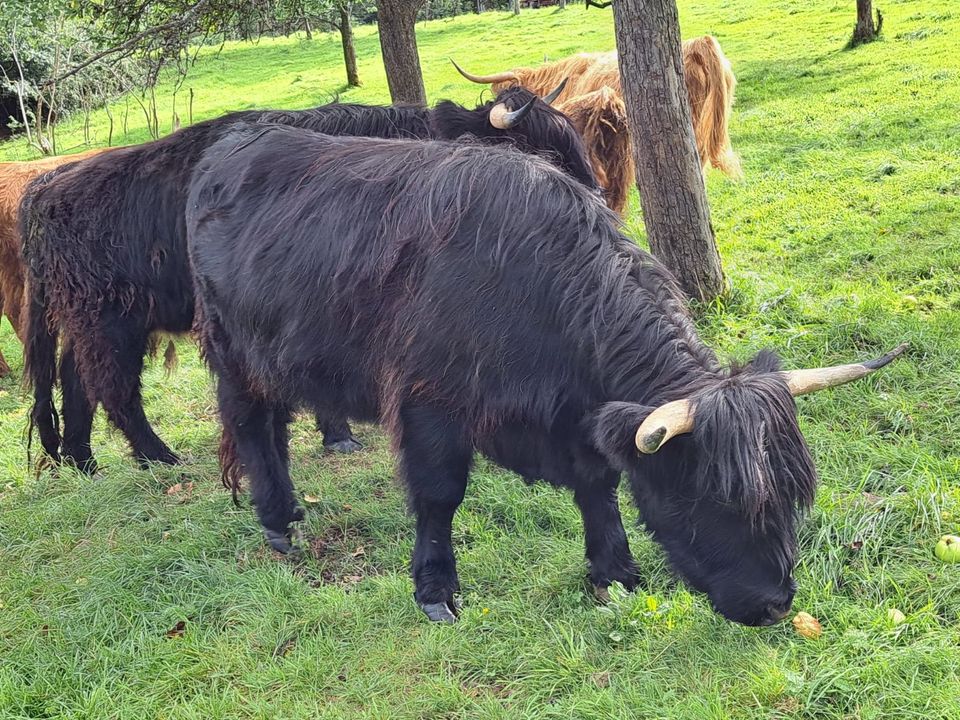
136	594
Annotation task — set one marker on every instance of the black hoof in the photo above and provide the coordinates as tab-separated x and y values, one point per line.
350	445
438	612
284	543
87	466
166	458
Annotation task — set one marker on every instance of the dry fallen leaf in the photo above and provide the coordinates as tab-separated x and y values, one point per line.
177	630
807	625
311	499
174	489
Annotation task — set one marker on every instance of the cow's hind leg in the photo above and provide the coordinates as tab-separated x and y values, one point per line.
435	461
4	368
608	553
337	435
109	359
260	440
77	415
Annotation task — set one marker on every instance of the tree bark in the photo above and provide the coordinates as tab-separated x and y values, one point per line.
346	38
865	31
669	175
515	6
398	43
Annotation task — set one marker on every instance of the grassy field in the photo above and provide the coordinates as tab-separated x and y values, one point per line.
146	594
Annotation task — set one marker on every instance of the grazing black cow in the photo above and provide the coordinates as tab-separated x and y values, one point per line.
107	254
476	298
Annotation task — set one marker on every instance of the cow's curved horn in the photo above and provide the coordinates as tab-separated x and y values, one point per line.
505	119
802	382
555	93
667	421
677	417
484	79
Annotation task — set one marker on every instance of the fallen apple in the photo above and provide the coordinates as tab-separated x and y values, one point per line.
948	549
807	625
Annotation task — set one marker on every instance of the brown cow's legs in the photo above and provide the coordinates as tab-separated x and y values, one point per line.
109	360
77	415
4	368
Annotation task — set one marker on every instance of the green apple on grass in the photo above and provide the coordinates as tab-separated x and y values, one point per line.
948	549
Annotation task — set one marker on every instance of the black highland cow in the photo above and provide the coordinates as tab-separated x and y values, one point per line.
476	298
105	246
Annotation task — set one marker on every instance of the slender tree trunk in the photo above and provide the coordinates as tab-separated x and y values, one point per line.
516	6
346	37
398	43
306	23
865	31
674	199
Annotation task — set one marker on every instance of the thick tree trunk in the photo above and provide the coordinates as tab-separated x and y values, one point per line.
672	193
398	43
346	37
865	31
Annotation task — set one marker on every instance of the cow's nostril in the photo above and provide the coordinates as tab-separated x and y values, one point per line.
776	613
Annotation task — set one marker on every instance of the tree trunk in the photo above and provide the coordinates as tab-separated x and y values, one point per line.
346	37
306	23
865	31
398	43
669	175
516	6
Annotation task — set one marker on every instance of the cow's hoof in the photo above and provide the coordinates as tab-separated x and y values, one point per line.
284	543
438	612
350	445
167	457
87	467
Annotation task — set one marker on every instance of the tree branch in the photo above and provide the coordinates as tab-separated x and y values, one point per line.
129	45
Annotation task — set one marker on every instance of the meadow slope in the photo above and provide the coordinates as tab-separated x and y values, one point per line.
138	595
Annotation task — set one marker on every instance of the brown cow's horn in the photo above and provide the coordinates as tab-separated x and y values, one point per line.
484	79
667	421
555	93
677	417
505	119
802	382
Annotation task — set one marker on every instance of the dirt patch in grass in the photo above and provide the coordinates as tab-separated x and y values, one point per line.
338	556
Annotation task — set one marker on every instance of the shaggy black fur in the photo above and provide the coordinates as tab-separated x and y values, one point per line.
477	298
105	244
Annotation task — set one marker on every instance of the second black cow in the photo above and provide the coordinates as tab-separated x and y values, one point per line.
105	247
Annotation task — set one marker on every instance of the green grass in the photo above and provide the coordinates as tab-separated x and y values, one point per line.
844	239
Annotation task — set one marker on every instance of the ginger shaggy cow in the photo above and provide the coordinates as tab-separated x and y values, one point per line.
710	89
14	179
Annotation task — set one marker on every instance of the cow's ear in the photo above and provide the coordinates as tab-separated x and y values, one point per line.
613	431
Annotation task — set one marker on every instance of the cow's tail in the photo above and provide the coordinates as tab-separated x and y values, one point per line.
711	85
40	359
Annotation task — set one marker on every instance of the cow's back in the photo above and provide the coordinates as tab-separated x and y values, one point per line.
380	266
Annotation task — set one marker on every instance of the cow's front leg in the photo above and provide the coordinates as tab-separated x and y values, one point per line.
607	550
435	461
